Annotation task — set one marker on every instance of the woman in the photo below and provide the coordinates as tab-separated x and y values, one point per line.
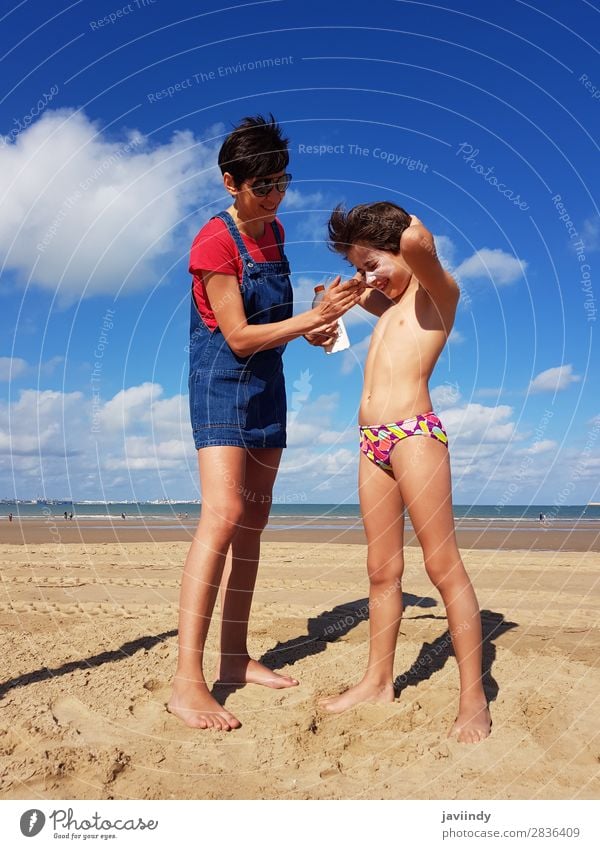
241	320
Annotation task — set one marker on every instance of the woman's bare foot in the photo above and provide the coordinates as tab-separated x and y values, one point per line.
473	723
247	671
365	691
192	702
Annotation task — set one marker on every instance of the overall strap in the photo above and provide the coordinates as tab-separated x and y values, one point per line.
235	235
277	235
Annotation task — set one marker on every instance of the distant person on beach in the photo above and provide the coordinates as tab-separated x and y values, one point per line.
404	461
122	515
542	517
241	320
65	515
10	517
71	517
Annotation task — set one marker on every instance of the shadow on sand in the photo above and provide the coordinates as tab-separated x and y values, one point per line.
336	623
433	656
122	653
327	627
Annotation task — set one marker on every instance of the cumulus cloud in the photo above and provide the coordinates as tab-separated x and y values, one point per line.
495	263
554	379
296	199
66	444
475	423
86	214
445	395
446	250
137	444
542	446
11	367
35	425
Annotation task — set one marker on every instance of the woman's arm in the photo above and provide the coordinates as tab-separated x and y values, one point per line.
244	339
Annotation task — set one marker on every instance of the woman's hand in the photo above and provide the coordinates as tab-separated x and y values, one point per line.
339	298
323	336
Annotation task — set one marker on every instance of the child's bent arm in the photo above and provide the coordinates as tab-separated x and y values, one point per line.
375	302
418	249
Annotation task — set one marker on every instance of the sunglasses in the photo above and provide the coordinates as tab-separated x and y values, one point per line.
261	188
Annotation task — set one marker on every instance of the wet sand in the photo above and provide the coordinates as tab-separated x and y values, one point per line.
504	534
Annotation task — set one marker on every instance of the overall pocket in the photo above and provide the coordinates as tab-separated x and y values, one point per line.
219	398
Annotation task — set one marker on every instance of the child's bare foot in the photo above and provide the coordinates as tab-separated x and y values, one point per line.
365	691
248	671
473	723
192	702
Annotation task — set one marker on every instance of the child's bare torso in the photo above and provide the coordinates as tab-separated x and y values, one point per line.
405	346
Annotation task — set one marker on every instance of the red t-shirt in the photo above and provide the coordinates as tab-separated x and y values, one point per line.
214	249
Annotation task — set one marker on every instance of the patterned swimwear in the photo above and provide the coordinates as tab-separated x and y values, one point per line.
378	441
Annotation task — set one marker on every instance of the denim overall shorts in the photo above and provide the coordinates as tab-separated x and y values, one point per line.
241	400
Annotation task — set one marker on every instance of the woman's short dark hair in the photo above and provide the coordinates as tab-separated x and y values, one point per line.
255	148
378	225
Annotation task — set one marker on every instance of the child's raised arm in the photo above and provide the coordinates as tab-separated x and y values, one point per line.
375	302
417	247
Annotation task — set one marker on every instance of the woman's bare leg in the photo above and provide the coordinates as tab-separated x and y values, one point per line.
422	469
237	588
382	512
222	470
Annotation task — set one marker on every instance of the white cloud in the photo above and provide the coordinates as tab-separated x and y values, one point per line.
138	445
45	434
445	395
85	214
133	405
37	423
295	199
11	367
456	337
543	446
446	250
591	234
554	379
501	267
475	423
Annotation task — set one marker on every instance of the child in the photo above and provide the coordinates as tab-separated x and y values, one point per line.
394	254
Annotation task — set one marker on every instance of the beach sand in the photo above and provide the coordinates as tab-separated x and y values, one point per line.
90	646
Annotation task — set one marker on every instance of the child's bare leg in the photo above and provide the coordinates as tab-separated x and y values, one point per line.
382	512
422	469
222	510
237	667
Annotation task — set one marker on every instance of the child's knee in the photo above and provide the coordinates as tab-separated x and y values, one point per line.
386	572
443	570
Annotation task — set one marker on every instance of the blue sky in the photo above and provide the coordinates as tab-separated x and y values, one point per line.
483	121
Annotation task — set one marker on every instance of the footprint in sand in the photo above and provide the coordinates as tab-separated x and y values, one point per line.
90	727
151	713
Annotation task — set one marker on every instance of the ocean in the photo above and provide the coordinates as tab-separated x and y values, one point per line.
292	512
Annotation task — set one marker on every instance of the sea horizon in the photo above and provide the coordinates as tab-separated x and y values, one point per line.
90	509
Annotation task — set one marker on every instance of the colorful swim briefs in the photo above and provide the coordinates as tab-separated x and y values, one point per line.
378	441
